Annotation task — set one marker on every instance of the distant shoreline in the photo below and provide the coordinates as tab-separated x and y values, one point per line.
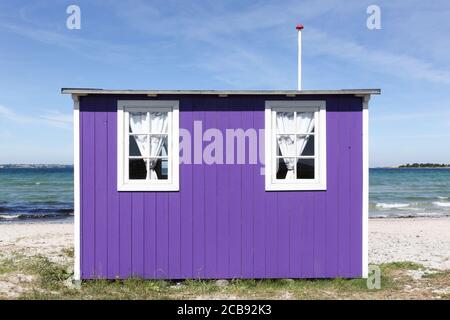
35	166
397	167
58	166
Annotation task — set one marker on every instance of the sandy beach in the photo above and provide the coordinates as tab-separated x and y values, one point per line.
421	240
37	238
424	241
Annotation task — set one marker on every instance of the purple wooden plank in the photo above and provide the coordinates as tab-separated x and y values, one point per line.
258	199
210	208
356	193
137	234
271	221
186	193
285	200
344	190
223	200
113	199
88	196
150	235
307	236
198	200
174	236
320	221
296	236
247	205
125	234
162	235
235	203
101	194
333	185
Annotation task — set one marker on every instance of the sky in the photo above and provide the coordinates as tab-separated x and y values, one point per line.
136	44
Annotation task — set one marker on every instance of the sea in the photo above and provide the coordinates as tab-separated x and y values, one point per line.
35	194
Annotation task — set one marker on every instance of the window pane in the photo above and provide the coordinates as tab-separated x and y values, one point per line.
158	169
158	122
286	145
164	169
285	122
285	168
305	169
138	122
158	145
138	146
305	122
137	169
305	145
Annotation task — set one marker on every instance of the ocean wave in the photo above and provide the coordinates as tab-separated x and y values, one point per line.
24	216
442	198
441	204
392	205
374	215
9	217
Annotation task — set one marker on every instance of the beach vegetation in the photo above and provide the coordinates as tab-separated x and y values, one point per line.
53	280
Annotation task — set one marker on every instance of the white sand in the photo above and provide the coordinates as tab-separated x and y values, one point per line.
424	241
40	238
421	240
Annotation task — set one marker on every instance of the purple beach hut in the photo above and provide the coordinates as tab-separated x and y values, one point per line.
219	184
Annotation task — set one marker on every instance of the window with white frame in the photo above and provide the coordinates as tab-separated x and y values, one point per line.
148	145
295	146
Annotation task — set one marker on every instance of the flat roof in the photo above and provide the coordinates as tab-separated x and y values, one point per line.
85	91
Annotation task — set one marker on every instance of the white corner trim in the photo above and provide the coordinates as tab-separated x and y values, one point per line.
365	190
76	188
320	183
123	184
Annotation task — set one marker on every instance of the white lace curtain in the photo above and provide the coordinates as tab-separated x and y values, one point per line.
289	149
157	122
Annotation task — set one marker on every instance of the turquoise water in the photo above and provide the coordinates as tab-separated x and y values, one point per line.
36	193
48	193
409	192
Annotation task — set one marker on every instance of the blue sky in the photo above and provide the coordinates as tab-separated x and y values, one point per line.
226	45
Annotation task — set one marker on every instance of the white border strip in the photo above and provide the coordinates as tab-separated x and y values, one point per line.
365	189
76	186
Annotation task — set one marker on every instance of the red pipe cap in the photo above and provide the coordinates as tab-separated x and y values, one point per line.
299	27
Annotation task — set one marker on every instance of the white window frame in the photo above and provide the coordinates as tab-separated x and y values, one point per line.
123	182
320	165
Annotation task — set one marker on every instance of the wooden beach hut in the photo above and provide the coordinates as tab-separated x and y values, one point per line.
176	184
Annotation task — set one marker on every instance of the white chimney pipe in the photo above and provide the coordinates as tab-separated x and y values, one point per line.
299	28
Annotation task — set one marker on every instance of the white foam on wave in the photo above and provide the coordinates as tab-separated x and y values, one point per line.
443	198
392	205
9	216
441	204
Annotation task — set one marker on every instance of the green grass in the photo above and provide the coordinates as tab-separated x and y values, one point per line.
51	281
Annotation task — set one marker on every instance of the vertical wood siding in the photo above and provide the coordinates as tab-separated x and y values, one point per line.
222	223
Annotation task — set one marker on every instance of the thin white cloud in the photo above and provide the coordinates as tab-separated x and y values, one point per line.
226	54
411	116
50	118
89	48
226	44
400	65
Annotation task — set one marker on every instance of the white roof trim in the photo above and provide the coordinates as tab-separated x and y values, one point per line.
85	91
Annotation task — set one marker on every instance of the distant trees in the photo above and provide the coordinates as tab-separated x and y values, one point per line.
424	165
